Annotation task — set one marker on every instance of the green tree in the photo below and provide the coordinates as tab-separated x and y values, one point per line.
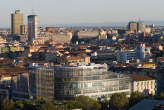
119	101
135	98
73	104
8	104
47	106
160	96
12	48
88	103
41	101
29	105
19	104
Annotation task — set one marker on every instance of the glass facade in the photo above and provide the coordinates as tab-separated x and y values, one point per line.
42	82
93	81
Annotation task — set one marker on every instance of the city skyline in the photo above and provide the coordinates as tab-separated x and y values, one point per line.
84	12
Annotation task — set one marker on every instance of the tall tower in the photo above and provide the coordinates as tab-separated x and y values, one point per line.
132	26
32	27
17	19
141	26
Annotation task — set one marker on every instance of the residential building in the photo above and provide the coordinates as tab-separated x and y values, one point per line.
52	29
144	84
62	37
126	56
143	52
75	60
148	65
88	34
102	35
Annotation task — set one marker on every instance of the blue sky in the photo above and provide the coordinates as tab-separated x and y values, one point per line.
53	12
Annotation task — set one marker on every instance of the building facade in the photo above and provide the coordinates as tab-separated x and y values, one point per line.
143	52
132	26
41	81
144	84
20	86
23	29
62	37
93	80
141	26
32	27
17	19
126	56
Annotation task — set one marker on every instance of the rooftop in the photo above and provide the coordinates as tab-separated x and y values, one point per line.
140	78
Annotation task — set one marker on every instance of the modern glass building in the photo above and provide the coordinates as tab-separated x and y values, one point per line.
41	81
93	80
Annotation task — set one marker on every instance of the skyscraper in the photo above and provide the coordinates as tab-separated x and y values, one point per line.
132	26
141	26
17	19
24	29
32	27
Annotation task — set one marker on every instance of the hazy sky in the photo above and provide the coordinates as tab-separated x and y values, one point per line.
84	11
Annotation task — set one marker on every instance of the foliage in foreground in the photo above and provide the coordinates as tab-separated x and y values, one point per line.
118	101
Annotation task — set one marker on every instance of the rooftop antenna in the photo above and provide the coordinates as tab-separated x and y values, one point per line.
33	8
32	11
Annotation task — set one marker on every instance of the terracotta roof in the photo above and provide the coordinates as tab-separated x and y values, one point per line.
140	78
161	59
74	58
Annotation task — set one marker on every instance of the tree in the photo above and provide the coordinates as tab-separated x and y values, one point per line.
19	104
104	102
87	103
41	101
160	96
29	105
119	101
135	98
8	104
47	106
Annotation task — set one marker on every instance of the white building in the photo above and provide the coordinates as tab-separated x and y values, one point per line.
143	52
125	56
144	84
88	34
62	37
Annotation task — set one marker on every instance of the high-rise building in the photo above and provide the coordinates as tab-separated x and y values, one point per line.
132	26
141	26
32	27
23	29
17	19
